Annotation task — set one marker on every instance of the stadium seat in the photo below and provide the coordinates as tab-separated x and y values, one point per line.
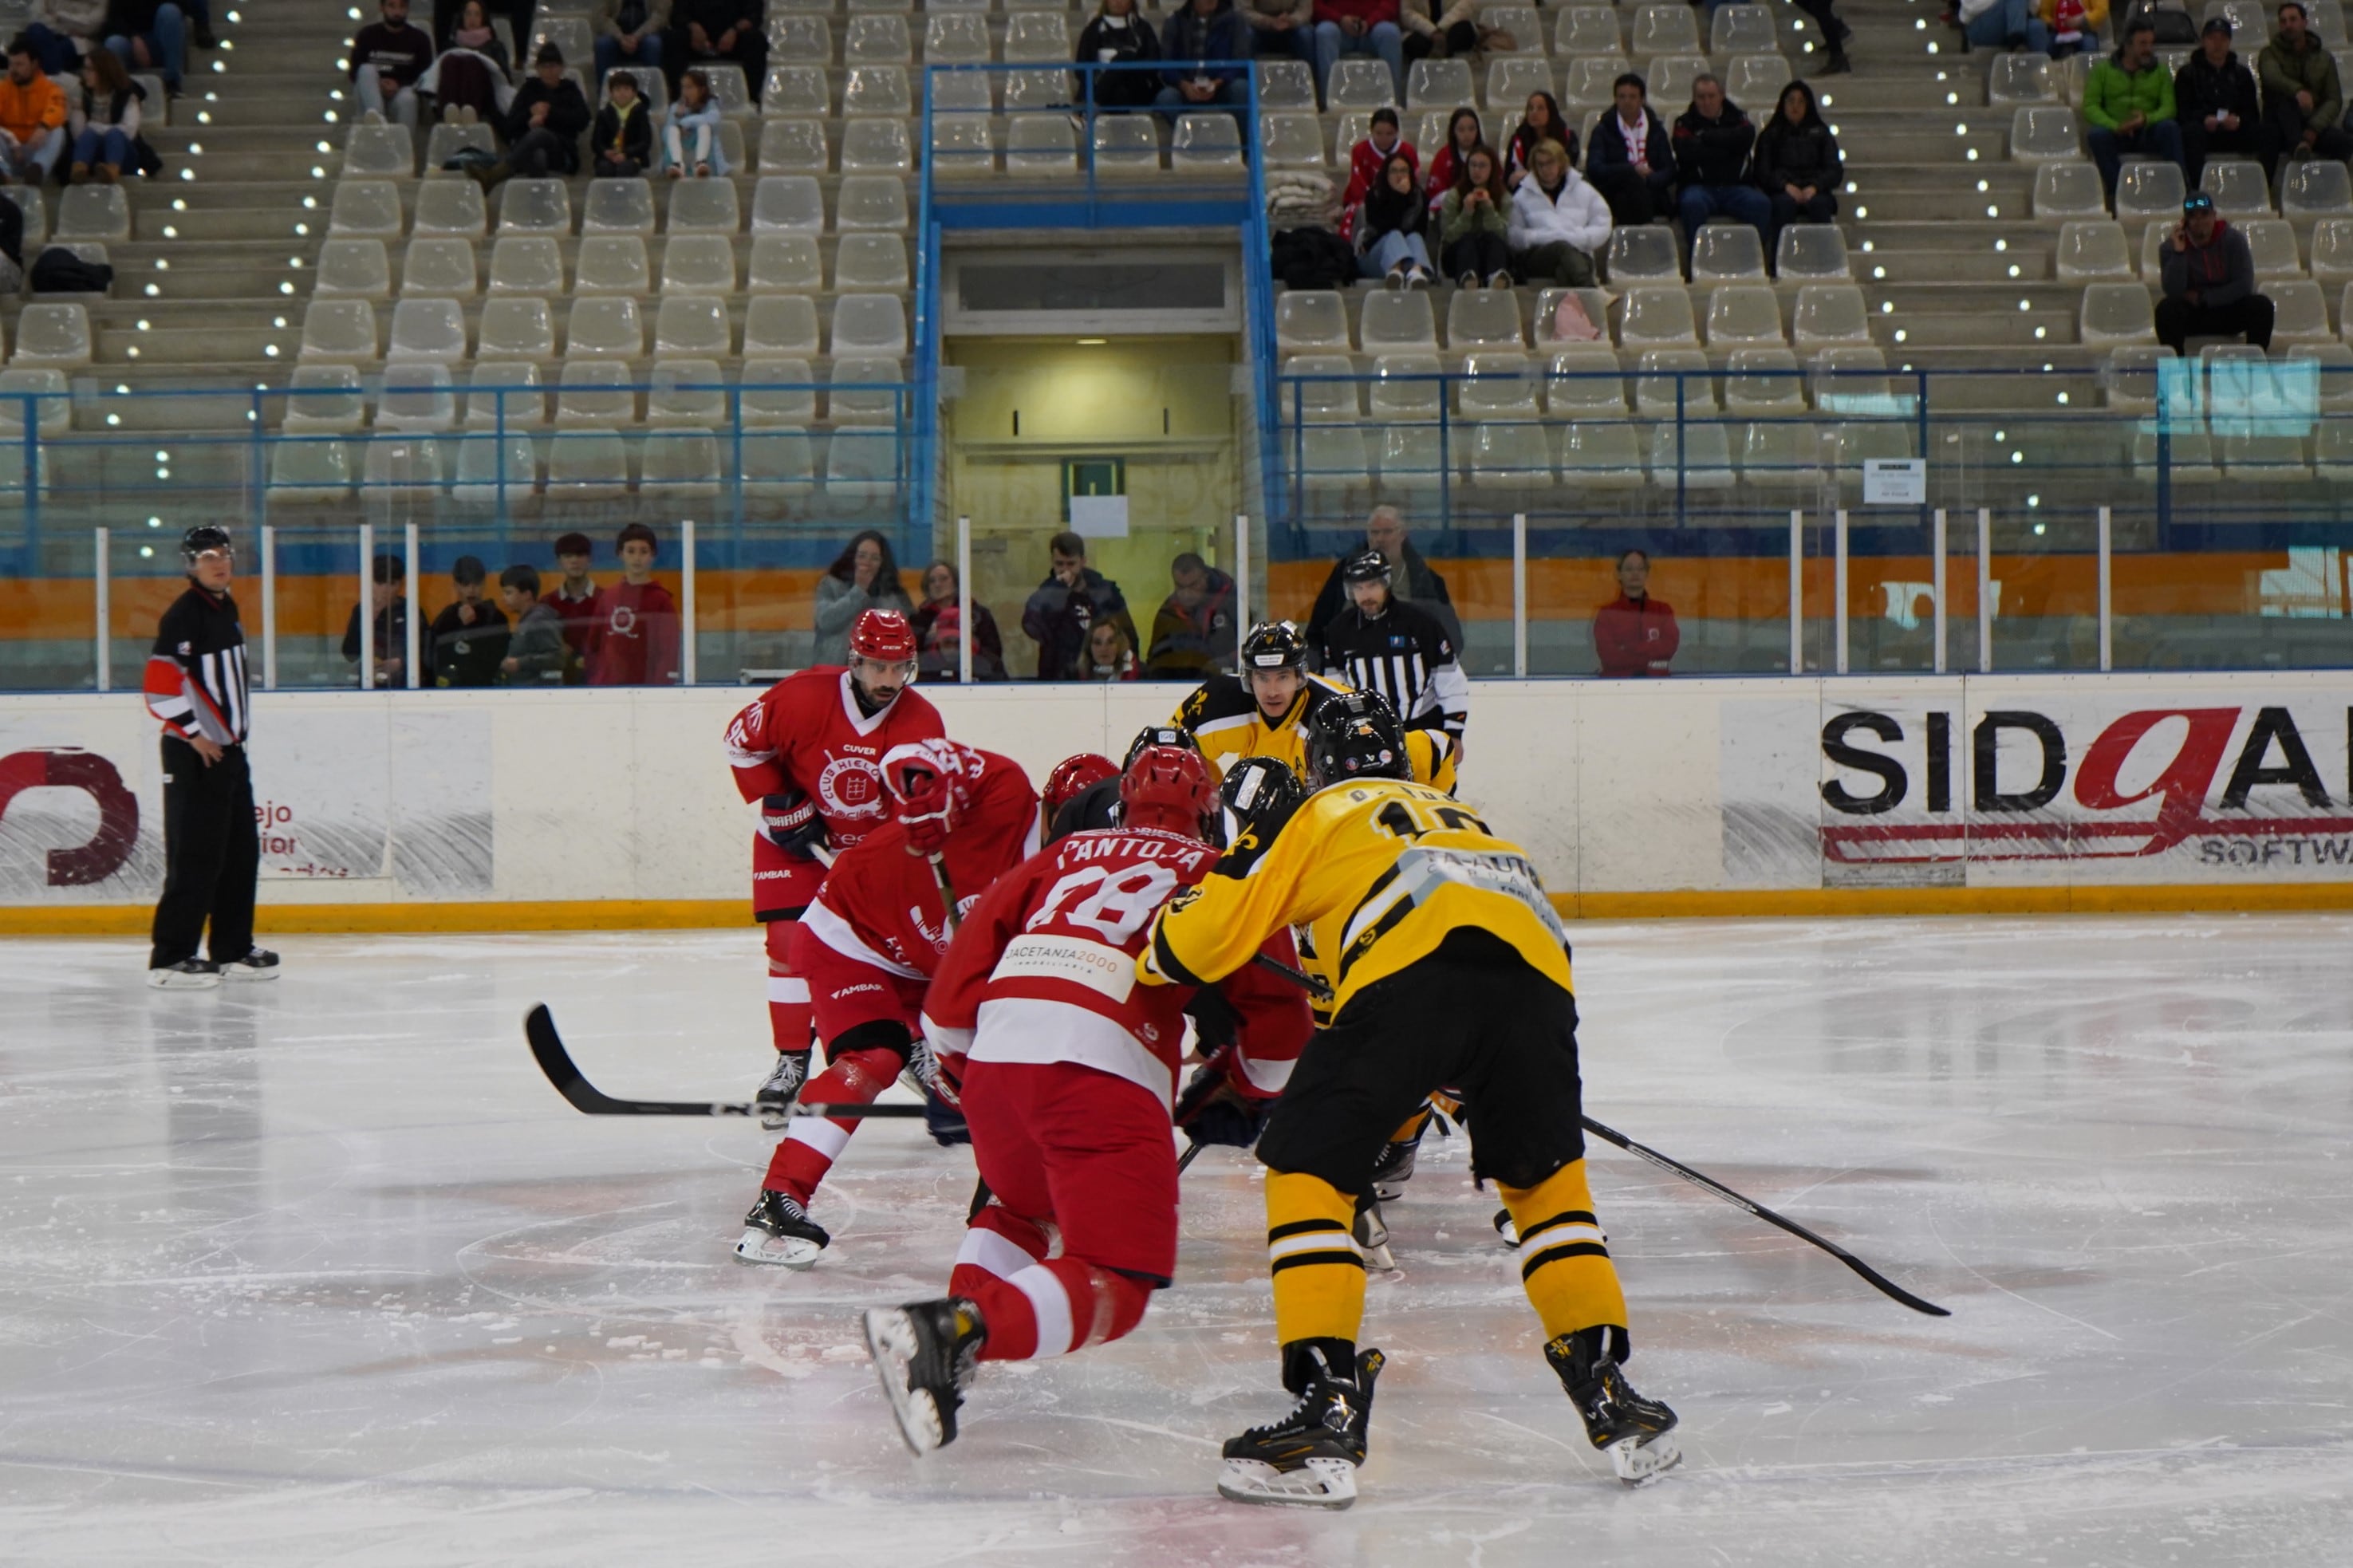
2128	378
2188	454
1285	84
1755	78
871	261
515	327
1594	302
428	329
785	264
679	461
2020	79
781	324
1763	384
1855	444
324	399
1853	379
440	267
692	326
359	268
612	264
775	392
2250	24
446	142
1511	78
1587	84
621	206
1584	383
2116	314
489	467
1038	37
1044	144
1302	397
374	151
877	89
861	461
963	146
704	206
865	391
2238	186
869	325
2046	133
1126	144
588	462
1671	382
871	202
1595	456
1670	75
1497	386
1645	253
535	206
877	40
2272	242
362	209
1514	455
699	264
1333	464
1655	315
1405	386
2314	188
1811	252
1829	313
1360	83
396	465
2091	250
1583	30
1397	319
1669	30
1205	141
876	147
787	204
604	327
1036	92
525	264
415	394
1725	252
2066	190
2300	312
800	89
504	392
777	462
956	37
786	147
1742	315
2149	192
1291	141
450	209
338	329
1413	456
1484	319
596	392
310	468
686	392
1438	84
1694	456
1310	319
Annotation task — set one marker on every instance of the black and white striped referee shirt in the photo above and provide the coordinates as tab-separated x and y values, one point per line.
195	678
1404	655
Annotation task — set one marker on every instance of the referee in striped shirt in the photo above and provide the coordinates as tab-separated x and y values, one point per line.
212	847
1397	649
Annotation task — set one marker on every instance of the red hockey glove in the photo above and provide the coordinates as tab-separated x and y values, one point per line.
928	813
791	822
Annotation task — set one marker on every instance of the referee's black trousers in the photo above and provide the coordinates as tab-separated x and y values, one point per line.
212	852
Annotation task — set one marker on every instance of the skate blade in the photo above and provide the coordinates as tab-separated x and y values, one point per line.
162	980
1389	1192
231	972
891	1341
1639	1464
1319	1483
793	1252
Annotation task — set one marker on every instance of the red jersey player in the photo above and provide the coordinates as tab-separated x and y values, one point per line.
1068	1081
811	751
867	948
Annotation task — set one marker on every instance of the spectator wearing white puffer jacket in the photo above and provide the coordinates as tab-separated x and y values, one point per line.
1558	223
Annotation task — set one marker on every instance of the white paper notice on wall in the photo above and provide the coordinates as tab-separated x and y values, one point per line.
1894	481
1099	517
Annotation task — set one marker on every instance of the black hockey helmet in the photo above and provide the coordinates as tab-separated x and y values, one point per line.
205	536
1366	565
1153	735
1274	645
1261	793
1354	736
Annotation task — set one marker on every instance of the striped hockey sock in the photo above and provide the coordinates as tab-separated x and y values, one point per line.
1565	1267
1052	1309
813	1144
1318	1269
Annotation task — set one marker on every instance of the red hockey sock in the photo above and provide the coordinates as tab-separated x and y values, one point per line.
998	1245
812	1143
1052	1308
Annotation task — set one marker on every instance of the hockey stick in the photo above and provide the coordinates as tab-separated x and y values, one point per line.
1315	986
947	890
547	1048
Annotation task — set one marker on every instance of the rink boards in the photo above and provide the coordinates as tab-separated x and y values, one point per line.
517	810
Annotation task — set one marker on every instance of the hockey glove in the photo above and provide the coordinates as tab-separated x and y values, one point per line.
791	822
928	814
1212	1110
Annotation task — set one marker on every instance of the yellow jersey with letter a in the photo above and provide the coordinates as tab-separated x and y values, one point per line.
1378	872
1226	723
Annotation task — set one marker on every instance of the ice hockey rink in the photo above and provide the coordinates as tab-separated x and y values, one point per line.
322	1271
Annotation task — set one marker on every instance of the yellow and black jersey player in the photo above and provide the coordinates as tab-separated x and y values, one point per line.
1265	710
1450	968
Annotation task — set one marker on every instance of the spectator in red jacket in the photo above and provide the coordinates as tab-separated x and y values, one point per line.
1358	27
636	641
1382	142
1635	633
577	602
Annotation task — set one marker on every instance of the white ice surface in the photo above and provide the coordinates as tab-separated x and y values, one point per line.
322	1271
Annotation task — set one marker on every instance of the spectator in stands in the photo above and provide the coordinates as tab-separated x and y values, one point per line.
1558	223
388	57
1631	161
1798	165
468	77
1115	34
1410	577
1462	133
623	139
938	626
105	122
2004	24
1475	226
2214	99
543	126
1835	33
1193	632
1540	122
1358	27
2073	26
1281	28
64	31
2304	105
577	602
1208	46
691	135
635	643
2128	100
32	118
1442	27
864	577
1713	140
536	651
1635	633
1067	605
2209	283
1109	656
703	31
629	32
11	248
1369	157
148	36
469	638
388	610
1393	226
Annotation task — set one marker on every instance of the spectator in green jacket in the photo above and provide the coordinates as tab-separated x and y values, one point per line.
2129	101
2303	104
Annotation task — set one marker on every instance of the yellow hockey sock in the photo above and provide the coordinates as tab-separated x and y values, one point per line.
1319	1272
1413	1126
1565	1267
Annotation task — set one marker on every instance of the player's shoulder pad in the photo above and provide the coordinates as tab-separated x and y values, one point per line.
1322	689
1220	696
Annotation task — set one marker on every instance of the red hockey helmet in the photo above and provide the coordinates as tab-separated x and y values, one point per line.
1169	788
1073	774
882	635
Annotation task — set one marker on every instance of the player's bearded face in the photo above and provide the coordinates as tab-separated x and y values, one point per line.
881	680
1275	689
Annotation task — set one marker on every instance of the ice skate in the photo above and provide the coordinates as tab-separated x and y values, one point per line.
259	964
1633	1431
1309	1459
188	974
782	1090
925	1353
778	1230
1395	1167
1372	1233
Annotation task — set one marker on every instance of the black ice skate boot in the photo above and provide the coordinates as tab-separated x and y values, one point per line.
1394	1169
925	1353
1632	1430
778	1230
259	964
1309	1459
783	1088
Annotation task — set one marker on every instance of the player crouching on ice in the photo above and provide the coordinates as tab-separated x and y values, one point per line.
1067	1081
1451	969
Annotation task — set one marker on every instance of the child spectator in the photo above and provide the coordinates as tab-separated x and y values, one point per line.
1109	656
702	30
536	651
1393	228
1117	35
1635	633
1541	122
1066	606
544	124
1369	157
938	626
468	638
390	56
577	603
63	31
629	32
636	641
1558	223
32	118
105	123
1476	227
388	608
1193	633
1798	165
1462	133
864	577
624	137
691	139
145	36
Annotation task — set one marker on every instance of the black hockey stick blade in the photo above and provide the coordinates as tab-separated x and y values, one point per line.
1314	984
1870	1276
547	1050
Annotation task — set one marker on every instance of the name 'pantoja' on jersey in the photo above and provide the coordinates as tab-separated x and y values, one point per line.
1404	656
1380	872
1044	970
807	733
